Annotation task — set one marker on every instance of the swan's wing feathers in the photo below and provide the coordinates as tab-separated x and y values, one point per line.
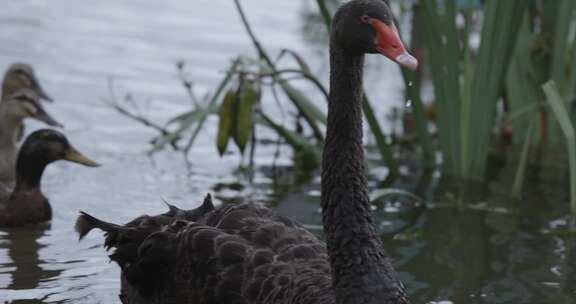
234	254
245	251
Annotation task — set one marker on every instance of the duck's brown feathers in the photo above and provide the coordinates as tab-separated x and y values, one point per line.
24	207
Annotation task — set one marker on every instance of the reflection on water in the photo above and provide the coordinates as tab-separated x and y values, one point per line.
27	272
503	254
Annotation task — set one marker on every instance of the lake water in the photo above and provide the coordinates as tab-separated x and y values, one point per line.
511	254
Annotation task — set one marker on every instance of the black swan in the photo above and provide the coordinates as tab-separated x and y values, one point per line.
244	253
26	204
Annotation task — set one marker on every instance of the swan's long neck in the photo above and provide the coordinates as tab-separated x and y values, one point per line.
361	270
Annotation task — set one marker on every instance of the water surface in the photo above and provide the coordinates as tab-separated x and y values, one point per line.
445	253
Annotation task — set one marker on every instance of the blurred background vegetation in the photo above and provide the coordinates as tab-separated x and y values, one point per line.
495	96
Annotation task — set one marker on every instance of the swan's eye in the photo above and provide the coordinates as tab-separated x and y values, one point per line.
366	19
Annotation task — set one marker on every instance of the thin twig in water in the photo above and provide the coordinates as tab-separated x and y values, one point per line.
301	73
138	118
113	102
261	52
187	84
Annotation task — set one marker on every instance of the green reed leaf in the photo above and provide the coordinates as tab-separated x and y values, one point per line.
561	113
247	98
226	116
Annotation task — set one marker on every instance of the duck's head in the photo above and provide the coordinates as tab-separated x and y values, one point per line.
19	76
46	146
24	104
367	27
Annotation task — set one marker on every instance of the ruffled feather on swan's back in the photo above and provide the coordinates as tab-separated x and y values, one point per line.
234	254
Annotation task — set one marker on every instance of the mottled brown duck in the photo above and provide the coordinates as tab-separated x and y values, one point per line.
14	109
20	76
25	204
244	253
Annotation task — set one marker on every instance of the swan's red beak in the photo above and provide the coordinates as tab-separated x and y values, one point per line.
388	43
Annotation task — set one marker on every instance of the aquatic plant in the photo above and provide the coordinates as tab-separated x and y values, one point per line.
487	63
236	101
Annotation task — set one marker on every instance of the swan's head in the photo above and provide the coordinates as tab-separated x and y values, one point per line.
46	146
25	103
21	76
367	27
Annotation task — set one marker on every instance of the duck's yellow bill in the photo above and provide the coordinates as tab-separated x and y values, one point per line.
76	157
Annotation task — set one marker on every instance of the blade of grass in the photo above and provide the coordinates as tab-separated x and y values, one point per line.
309	153
572	83
303	103
304	67
443	58
564	21
499	35
325	13
557	104
560	17
522	86
468	74
520	175
297	73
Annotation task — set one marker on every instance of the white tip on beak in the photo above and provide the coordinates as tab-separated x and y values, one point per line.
408	61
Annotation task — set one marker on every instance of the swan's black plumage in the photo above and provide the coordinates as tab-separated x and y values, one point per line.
241	253
245	253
